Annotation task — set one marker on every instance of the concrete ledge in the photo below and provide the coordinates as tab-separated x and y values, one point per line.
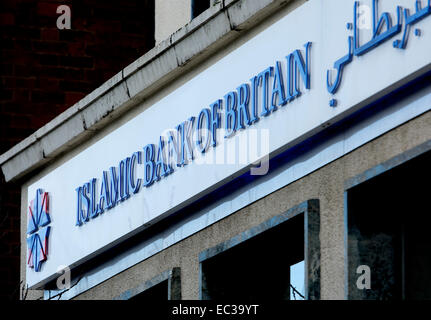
205	34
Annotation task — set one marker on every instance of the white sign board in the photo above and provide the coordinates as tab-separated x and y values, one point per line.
366	75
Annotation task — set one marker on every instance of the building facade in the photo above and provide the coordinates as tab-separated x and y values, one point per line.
263	150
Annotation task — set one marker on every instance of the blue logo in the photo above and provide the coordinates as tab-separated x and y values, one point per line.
38	230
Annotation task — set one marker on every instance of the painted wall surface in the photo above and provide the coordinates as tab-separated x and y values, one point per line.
323	23
170	15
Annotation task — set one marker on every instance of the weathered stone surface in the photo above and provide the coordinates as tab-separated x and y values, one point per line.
243	13
104	107
152	72
55	140
197	22
30	156
150	55
202	38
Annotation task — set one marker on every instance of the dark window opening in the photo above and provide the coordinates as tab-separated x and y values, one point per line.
199	6
165	286
273	259
259	268
388	231
159	292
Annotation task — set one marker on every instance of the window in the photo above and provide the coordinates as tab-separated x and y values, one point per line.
166	286
297	281
388	231
199	6
269	262
158	292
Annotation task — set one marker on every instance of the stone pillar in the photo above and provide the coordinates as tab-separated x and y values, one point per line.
171	15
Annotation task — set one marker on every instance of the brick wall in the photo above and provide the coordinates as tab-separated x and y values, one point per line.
44	70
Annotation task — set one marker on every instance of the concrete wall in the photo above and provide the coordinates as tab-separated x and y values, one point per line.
326	184
171	15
